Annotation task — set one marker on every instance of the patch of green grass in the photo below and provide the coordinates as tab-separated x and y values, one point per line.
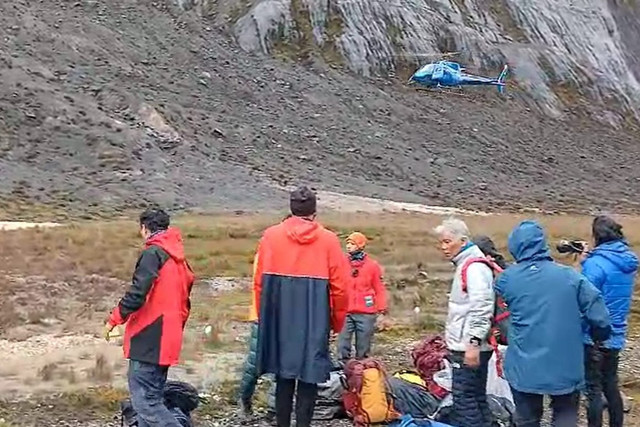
100	399
219	245
414	327
220	399
299	44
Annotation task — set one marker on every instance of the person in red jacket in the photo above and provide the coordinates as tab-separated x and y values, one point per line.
299	284
155	309
367	300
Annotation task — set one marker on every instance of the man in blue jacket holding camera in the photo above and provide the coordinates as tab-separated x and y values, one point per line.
611	266
547	301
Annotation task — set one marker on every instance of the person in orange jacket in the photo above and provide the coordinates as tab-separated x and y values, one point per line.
300	289
367	299
155	309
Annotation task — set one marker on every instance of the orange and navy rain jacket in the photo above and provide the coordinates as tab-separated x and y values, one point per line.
300	288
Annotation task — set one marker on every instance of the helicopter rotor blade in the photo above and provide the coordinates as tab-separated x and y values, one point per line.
428	55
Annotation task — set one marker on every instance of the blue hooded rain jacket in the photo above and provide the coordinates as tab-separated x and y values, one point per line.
612	267
547	301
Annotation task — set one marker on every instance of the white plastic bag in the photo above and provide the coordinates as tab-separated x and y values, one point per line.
443	377
495	385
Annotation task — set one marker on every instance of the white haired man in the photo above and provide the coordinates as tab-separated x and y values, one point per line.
468	324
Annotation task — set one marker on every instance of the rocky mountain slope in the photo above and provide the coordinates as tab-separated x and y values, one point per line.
118	104
586	47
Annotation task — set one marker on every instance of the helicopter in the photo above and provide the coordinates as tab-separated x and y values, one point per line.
446	73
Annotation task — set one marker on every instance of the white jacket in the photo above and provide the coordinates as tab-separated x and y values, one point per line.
470	312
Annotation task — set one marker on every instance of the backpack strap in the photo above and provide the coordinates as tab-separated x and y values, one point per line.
495	268
493	342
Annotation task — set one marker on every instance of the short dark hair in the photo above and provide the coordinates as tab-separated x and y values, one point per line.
488	247
605	229
155	219
302	202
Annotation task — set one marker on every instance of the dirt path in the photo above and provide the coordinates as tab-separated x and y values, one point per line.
60	350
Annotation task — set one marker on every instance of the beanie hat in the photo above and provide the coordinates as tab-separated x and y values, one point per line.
358	239
302	202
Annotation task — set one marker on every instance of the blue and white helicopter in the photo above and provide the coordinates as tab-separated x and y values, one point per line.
451	74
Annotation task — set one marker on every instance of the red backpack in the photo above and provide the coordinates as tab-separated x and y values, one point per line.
428	358
499	323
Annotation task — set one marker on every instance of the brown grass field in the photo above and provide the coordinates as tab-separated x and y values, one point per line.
74	274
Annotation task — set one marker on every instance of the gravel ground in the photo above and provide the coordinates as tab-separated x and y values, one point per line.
50	413
124	103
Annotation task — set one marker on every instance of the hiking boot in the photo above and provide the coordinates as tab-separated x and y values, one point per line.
245	408
270	418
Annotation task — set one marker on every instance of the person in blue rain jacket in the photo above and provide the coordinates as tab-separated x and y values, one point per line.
547	301
611	266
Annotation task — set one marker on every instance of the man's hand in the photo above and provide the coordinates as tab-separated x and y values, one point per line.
106	331
472	356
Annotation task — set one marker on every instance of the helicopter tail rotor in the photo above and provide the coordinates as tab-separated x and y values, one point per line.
501	78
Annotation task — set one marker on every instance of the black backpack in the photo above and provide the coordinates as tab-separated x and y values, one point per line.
179	397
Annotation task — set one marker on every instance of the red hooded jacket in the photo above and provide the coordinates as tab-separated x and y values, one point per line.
156	306
367	293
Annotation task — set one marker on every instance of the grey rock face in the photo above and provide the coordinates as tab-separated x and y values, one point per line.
558	50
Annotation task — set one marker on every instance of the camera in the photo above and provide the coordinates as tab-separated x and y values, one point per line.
571	246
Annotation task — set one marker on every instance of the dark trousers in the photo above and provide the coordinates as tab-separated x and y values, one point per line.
529	409
363	326
146	387
601	372
305	402
469	390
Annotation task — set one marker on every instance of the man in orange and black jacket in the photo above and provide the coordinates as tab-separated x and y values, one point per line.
300	289
155	309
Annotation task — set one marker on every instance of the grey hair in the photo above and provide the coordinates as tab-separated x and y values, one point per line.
454	226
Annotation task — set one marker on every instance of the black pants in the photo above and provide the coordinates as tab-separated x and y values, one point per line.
529	409
601	368
305	402
469	390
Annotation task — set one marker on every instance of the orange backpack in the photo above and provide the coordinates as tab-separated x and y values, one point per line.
367	398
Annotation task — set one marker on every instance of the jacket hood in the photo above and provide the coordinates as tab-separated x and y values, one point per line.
619	254
528	242
302	230
170	241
